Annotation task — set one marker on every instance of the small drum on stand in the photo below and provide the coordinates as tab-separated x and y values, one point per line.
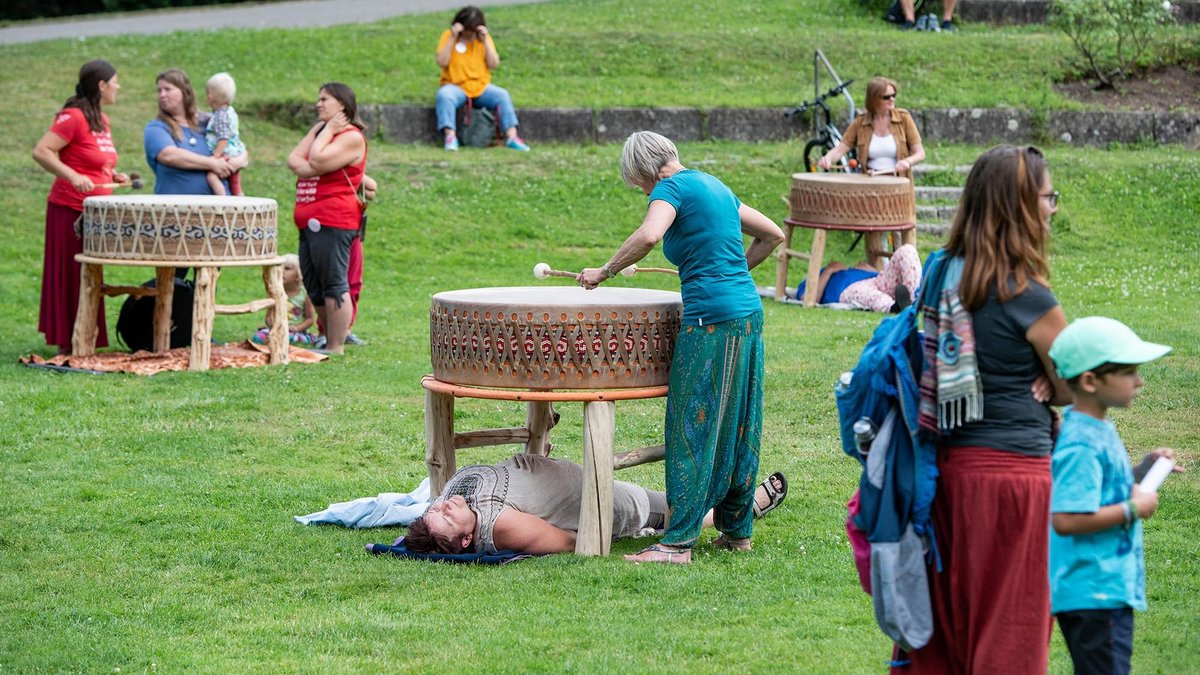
543	337
169	231
542	345
873	205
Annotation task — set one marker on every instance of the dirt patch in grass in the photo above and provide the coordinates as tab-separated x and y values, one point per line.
1170	88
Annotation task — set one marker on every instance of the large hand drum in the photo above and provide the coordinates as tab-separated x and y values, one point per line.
852	201
179	228
554	337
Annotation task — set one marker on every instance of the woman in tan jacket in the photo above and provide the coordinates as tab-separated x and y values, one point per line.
884	137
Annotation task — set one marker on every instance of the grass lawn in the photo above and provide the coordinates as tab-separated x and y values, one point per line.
150	518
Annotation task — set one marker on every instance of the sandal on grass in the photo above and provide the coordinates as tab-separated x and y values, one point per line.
658	554
774	495
727	543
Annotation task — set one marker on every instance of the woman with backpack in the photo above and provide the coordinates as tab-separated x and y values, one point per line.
467	57
989	318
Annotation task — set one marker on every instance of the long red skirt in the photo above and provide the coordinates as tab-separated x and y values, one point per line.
991	602
60	280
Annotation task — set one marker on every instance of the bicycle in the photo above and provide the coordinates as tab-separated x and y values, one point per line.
828	135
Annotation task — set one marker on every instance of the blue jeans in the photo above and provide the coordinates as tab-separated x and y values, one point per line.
451	97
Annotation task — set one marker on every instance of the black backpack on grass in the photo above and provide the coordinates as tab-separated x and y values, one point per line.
135	323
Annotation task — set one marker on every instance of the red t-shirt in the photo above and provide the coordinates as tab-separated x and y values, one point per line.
331	198
90	153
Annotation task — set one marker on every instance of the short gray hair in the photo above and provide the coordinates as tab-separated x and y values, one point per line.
645	152
223	87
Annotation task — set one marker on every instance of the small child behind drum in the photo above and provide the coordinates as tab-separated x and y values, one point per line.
222	130
302	315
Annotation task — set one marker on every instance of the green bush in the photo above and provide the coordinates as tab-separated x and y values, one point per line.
1110	36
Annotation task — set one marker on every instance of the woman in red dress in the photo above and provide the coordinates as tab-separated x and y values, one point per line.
79	151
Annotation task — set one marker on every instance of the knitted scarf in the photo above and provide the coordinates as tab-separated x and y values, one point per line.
951	389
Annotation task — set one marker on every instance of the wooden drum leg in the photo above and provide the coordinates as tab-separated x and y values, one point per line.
439	439
814	267
277	316
783	257
539	419
595	513
202	317
83	336
909	236
164	302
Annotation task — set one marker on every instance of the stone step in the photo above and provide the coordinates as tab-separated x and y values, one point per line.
927	193
923	169
944	213
933	229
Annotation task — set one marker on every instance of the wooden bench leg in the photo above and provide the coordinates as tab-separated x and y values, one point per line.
83	335
815	258
164	303
595	512
277	316
439	439
202	317
539	419
783	257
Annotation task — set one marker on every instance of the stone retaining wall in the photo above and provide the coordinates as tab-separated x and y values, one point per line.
980	126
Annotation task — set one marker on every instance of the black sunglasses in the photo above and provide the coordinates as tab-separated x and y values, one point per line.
888	97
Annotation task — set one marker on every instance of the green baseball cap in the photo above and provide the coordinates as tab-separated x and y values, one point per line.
1093	341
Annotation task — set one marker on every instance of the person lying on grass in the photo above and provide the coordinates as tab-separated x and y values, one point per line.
530	504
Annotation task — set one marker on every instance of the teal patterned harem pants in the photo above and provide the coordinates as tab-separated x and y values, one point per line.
714	427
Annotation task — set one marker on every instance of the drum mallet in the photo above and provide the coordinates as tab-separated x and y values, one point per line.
135	182
543	270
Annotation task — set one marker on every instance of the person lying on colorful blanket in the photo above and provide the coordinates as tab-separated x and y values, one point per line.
530	504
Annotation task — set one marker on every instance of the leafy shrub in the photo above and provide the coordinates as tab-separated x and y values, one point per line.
1110	36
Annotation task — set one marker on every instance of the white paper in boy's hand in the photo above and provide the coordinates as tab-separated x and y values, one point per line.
1158	472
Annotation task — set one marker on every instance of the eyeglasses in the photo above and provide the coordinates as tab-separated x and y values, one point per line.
888	97
1052	197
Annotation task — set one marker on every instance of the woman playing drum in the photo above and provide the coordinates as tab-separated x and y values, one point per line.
78	149
714	400
330	161
884	137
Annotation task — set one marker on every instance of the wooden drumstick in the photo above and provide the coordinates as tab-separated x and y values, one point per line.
542	270
634	269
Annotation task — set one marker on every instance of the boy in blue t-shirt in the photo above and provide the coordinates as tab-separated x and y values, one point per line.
1097	571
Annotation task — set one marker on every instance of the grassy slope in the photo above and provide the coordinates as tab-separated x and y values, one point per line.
149	524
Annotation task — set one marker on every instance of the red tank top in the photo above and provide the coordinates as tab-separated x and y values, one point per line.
90	153
332	199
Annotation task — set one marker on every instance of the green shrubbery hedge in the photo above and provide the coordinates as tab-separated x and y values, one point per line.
12	10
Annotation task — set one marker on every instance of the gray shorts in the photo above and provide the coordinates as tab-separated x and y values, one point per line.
325	263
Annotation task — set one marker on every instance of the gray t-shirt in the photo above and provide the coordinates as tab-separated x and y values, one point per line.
1012	420
549	489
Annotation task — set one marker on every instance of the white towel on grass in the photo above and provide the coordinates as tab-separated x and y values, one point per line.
389	508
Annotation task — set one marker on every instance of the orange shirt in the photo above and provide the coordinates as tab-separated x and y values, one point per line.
468	68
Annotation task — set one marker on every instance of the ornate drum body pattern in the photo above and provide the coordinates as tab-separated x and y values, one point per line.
554	337
847	199
179	228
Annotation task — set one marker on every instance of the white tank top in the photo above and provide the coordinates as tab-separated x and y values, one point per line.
881	155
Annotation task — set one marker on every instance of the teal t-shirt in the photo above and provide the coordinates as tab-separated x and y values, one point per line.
1101	570
705	243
